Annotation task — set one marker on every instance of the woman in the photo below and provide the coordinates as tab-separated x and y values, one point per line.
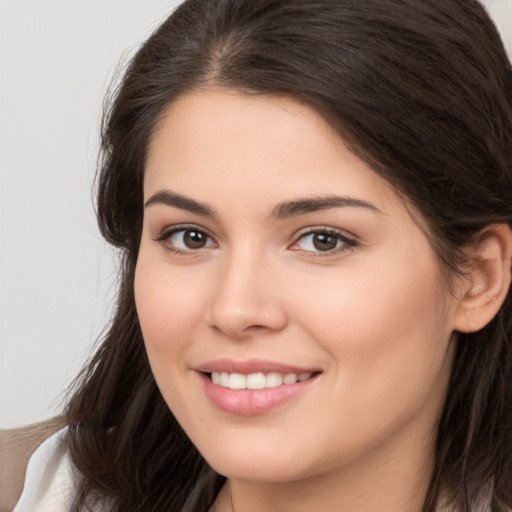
313	205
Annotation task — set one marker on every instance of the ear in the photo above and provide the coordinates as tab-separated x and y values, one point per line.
488	280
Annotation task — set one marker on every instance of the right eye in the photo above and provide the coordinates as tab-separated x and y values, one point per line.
186	239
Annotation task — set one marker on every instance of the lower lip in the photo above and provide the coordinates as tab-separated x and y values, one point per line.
248	402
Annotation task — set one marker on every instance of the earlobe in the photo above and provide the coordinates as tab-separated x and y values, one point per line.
488	279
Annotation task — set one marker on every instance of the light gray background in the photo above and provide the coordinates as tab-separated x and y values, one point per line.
57	58
57	278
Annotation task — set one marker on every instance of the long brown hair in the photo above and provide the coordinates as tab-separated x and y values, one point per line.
422	91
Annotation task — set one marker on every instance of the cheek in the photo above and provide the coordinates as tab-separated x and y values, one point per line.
168	306
169	310
371	306
382	328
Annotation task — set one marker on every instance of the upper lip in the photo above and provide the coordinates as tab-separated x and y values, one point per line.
251	366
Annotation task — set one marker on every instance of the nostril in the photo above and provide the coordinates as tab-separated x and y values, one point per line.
256	327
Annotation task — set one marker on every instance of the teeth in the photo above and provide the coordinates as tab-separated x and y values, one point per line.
257	380
237	381
274	379
224	379
291	378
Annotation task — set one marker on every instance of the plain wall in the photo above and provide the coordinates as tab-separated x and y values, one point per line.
57	278
57	58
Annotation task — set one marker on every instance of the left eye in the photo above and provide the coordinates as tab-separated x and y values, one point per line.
189	239
321	241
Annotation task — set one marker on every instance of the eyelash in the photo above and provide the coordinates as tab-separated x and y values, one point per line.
347	243
165	236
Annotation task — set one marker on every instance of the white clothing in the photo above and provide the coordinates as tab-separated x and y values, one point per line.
50	481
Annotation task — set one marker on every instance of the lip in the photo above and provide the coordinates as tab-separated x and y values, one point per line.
251	366
249	402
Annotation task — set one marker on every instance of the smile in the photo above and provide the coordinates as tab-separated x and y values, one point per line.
258	380
255	386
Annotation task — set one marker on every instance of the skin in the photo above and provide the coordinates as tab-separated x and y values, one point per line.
374	316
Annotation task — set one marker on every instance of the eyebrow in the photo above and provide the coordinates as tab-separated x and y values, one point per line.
178	201
281	211
314	204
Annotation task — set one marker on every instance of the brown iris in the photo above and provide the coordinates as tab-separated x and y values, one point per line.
324	241
194	239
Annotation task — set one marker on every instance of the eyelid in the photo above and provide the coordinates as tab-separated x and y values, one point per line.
349	241
165	234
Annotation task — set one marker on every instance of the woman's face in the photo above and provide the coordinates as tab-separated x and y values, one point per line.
277	263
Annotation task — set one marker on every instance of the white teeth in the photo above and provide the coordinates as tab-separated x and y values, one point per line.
257	380
237	381
290	378
274	379
224	379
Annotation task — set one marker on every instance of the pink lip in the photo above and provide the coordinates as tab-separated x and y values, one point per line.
251	366
248	402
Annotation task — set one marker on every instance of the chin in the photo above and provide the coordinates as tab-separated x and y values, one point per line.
262	462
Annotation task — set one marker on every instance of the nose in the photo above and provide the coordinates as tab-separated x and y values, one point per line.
246	299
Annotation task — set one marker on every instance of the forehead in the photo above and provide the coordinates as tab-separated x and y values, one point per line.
261	145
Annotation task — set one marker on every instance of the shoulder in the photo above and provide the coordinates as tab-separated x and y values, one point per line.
17	446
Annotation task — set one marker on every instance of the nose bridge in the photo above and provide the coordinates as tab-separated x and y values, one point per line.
244	297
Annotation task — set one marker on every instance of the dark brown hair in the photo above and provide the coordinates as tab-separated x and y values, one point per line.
422	91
